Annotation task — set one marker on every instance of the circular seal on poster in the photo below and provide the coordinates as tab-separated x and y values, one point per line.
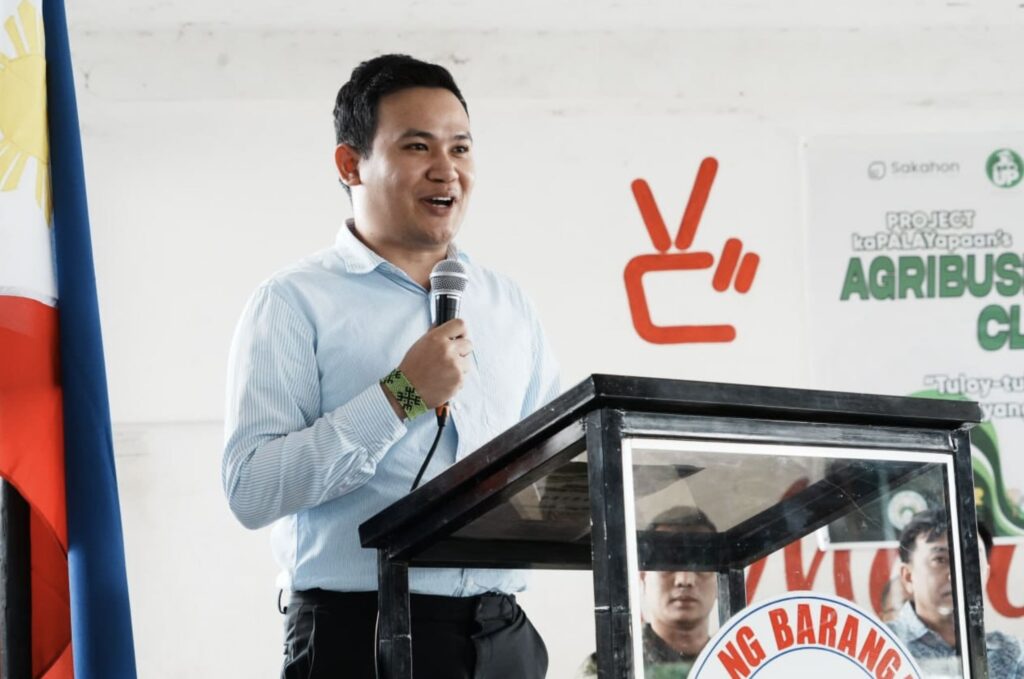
804	634
903	506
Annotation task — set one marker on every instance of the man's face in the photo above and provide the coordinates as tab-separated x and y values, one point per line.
927	578
679	598
414	187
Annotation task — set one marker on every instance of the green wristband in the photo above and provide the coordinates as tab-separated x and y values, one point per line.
401	388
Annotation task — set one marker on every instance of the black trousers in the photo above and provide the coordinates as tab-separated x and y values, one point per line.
331	635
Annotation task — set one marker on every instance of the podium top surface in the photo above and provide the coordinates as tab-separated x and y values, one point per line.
652	394
563	416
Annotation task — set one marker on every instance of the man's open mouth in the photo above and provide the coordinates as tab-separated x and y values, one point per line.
440	201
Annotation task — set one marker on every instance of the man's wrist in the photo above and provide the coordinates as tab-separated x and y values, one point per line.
402	395
392	401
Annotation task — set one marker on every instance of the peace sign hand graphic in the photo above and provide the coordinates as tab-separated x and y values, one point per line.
729	262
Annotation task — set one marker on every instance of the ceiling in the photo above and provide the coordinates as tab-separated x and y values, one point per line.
541	15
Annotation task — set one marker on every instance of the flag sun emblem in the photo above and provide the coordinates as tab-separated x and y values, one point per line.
23	133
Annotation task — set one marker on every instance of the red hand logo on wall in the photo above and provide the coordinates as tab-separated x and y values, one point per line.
729	263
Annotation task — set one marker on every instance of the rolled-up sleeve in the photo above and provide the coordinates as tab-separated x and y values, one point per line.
281	453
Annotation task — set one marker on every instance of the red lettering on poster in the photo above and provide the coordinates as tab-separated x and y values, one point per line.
750	646
880	573
827	626
738	662
754	574
871	649
732	662
889	664
780	628
848	637
841	573
998	582
804	625
796	578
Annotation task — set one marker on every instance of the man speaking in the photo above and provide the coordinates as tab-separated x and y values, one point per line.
336	369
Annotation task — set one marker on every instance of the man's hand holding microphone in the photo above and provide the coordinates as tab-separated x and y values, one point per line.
436	365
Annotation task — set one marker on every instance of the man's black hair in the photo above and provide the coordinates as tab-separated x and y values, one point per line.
931	523
986	538
358	100
683	519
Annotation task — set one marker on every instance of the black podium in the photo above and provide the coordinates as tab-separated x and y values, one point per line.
578	484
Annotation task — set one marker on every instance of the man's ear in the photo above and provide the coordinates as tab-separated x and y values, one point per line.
907	580
347	159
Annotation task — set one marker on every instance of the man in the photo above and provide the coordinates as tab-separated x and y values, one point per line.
317	438
677	606
927	622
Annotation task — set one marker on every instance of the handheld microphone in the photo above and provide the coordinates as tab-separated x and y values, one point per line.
448	281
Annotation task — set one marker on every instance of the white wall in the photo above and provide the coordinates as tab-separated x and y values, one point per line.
208	146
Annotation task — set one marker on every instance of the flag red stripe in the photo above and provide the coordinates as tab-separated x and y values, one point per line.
31	427
32	460
28	343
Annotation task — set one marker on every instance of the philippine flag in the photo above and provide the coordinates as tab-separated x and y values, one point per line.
55	437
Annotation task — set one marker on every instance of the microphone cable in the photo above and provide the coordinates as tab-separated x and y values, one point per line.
442	420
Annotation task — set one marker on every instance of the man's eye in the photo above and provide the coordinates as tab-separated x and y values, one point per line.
461	149
417	146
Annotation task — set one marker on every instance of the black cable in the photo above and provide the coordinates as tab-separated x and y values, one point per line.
441	421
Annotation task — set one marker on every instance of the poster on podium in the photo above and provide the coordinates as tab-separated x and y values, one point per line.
804	634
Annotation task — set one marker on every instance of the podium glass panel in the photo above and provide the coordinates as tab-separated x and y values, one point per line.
728	503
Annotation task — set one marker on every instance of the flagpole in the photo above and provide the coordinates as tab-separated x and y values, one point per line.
101	627
15	586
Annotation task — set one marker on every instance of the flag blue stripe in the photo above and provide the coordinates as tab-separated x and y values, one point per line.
101	629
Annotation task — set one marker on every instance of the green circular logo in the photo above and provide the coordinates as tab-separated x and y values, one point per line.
1004	168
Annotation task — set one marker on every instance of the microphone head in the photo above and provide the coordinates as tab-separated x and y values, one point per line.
449	277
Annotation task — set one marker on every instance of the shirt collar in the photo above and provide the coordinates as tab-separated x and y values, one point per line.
915	627
358	258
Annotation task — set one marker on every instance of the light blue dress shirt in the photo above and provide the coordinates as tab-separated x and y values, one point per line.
312	444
